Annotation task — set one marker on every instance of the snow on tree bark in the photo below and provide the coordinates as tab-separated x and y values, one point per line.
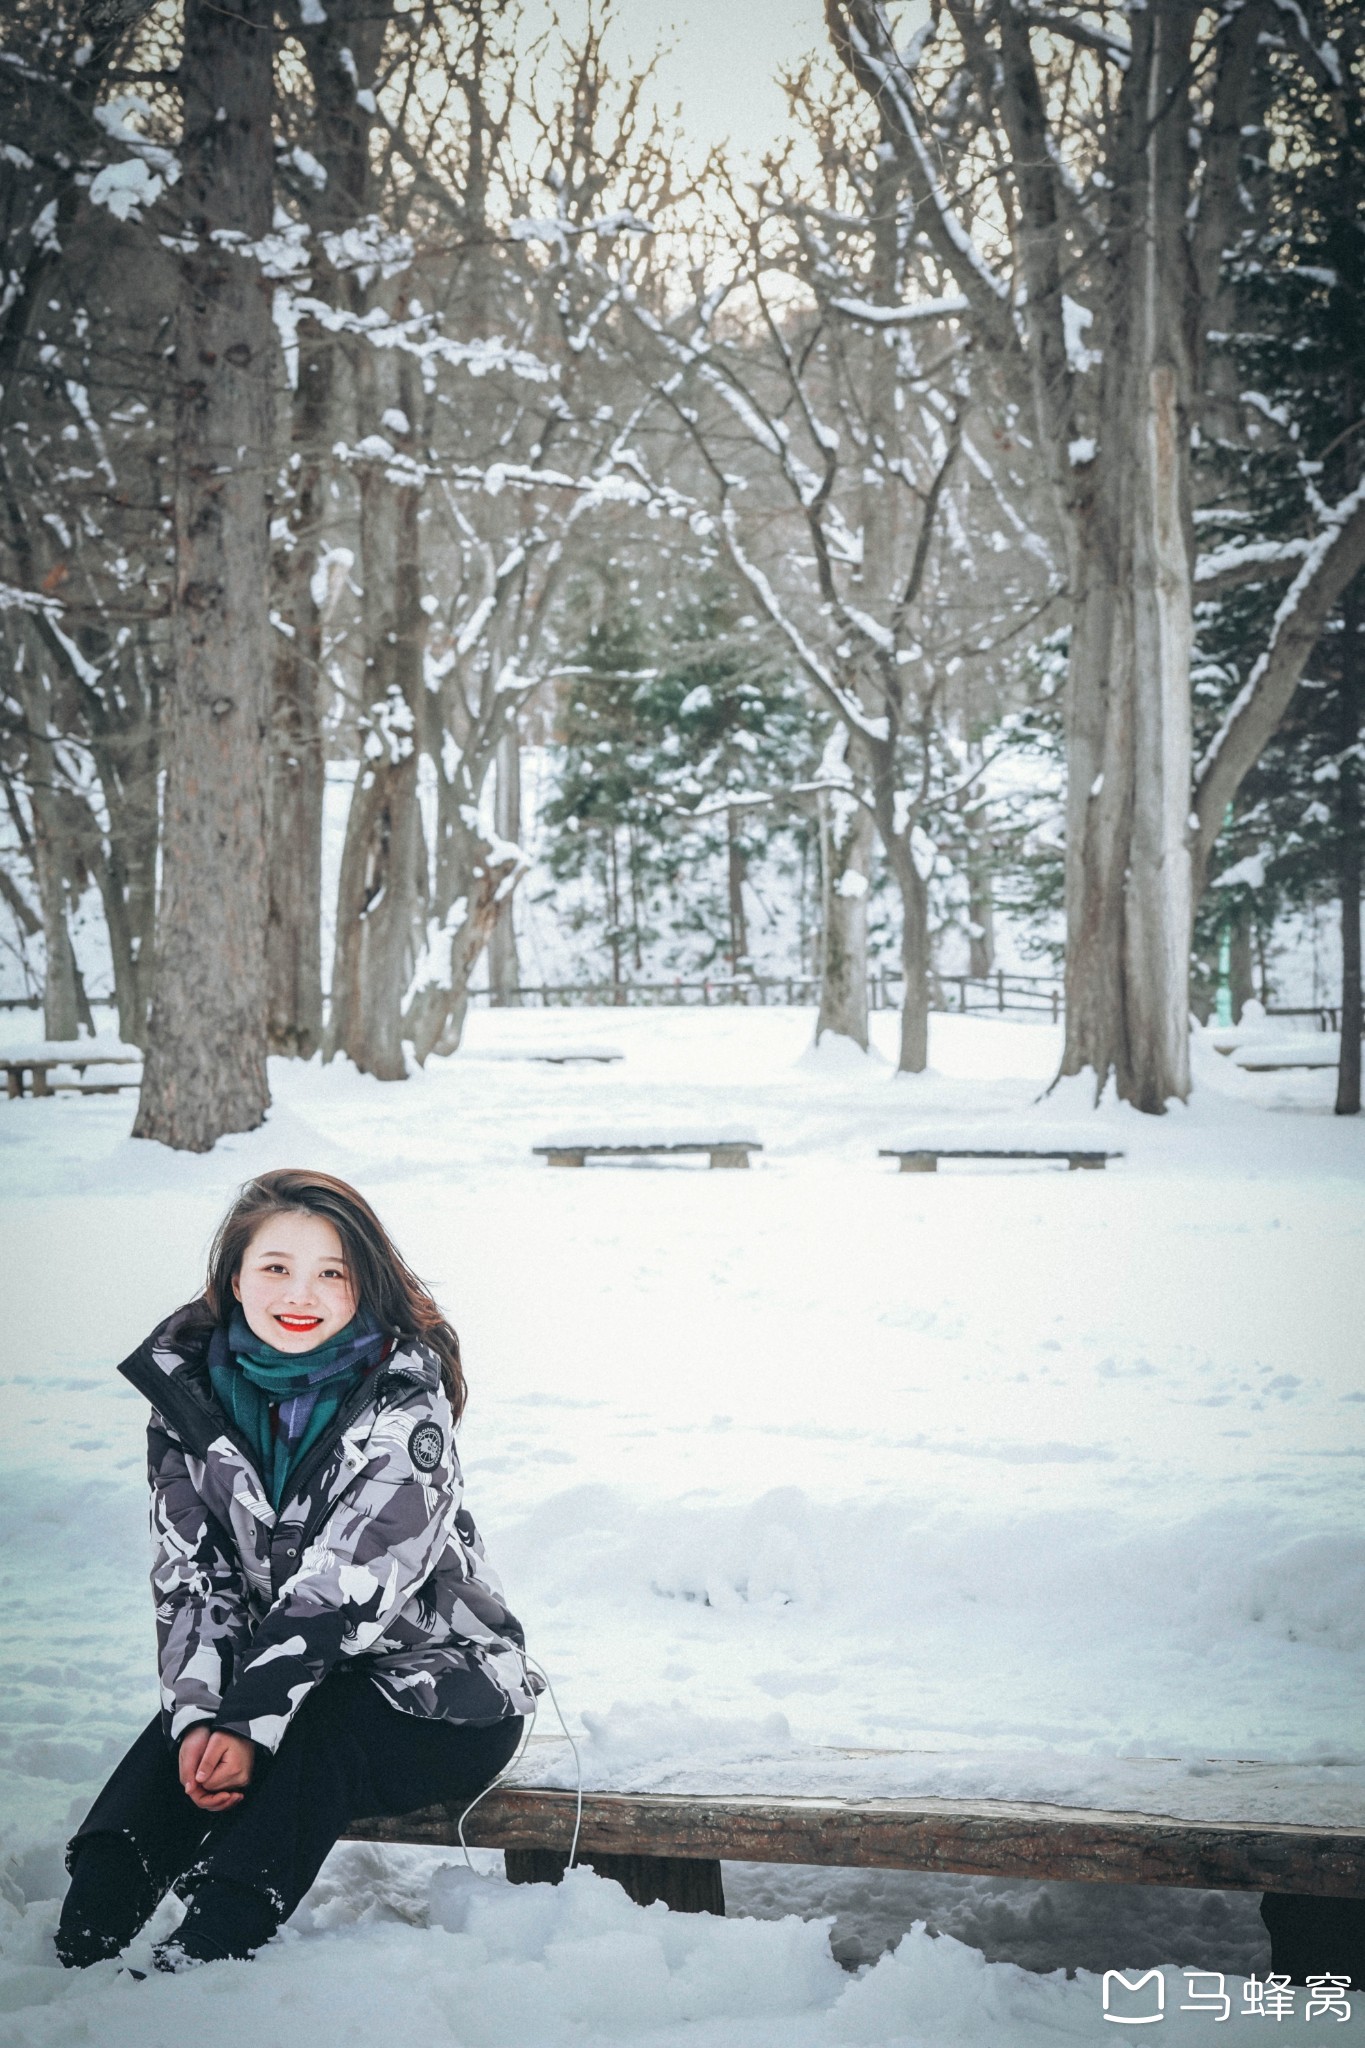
205	1067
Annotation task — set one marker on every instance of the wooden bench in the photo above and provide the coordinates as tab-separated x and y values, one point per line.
1323	1066
670	1846
41	1071
565	1059
722	1151
925	1158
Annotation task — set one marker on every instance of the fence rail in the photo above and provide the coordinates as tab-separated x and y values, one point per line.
966	994
1000	992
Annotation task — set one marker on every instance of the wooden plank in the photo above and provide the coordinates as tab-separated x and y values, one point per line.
722	1152
997	1838
925	1158
1288	1066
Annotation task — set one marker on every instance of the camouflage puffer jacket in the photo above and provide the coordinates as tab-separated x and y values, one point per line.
371	1555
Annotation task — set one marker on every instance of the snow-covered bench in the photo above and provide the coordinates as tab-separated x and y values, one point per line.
53	1056
670	1846
558	1055
575	1151
925	1158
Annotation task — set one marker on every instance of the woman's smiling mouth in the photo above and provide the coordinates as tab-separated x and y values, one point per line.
298	1325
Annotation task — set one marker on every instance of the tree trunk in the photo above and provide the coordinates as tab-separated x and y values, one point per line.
342	45
61	1000
980	912
614	915
475	877
205	1068
436	1017
845	855
381	897
1352	703
1240	963
734	880
504	970
297	777
297	754
914	888
125	738
1128	710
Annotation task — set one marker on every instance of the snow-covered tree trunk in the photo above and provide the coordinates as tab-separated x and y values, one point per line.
205	1068
484	872
1128	686
381	895
846	835
504	969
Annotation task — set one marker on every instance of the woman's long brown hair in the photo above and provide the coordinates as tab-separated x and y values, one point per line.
384	1282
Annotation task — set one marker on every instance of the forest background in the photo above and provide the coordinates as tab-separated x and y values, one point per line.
943	534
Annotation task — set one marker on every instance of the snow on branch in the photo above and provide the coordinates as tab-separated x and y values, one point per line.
12	599
885	76
900	316
1223	568
844	702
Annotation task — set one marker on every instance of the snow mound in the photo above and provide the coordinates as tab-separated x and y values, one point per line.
479	1963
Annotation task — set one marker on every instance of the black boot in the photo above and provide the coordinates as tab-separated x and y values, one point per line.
225	1921
110	1897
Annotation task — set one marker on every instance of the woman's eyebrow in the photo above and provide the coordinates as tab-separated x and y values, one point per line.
329	1260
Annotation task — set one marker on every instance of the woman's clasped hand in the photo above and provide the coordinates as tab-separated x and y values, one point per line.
215	1769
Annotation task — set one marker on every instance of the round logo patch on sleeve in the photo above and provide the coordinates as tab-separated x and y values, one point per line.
425	1446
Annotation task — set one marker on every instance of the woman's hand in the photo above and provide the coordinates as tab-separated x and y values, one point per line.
215	1769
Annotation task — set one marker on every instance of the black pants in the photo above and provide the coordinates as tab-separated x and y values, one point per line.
346	1754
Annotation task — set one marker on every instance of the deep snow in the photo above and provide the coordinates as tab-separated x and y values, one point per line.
816	1477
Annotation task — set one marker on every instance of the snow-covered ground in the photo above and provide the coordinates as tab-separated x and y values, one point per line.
1010	1482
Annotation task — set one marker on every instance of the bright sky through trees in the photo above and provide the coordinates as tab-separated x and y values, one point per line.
720	58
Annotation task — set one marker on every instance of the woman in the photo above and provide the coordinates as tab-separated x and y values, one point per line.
332	1642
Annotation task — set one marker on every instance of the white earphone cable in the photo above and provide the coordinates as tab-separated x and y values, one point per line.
515	1759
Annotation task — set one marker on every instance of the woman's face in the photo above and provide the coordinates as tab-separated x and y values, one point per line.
293	1282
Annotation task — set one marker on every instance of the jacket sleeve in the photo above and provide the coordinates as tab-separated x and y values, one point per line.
379	1544
203	1622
